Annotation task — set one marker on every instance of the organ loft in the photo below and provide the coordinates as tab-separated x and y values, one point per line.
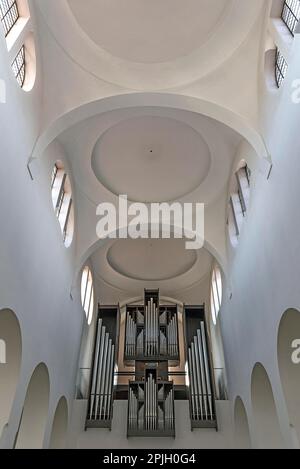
137	356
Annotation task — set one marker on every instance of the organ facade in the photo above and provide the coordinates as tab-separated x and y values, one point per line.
151	358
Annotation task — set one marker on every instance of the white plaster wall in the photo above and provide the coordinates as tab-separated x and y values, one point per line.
264	268
36	271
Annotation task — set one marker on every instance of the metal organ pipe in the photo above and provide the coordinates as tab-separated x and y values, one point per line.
201	380
106	380
194	378
202	406
110	384
101	393
191	382
98	386
95	370
102	387
207	370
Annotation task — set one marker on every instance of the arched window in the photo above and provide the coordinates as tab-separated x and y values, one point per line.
291	14
87	294
216	293
281	68
18	31
239	200
63	201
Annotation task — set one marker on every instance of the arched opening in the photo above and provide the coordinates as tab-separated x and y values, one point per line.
60	426
267	429
242	433
10	362
288	350
35	411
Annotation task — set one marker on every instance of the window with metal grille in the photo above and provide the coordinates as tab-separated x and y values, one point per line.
281	67
87	293
62	201
239	201
291	14
54	175
19	67
9	15
216	293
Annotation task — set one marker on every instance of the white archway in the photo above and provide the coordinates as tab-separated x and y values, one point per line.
266	423
119	233
242	433
35	411
288	350
140	100
10	362
58	438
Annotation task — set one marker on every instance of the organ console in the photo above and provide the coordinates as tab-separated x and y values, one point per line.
151	348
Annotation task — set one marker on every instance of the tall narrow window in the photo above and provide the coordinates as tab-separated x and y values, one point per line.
87	294
239	201
291	14
19	68
18	30
63	201
281	67
216	293
9	15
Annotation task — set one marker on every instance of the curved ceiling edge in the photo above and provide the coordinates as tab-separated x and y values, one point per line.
200	106
83	51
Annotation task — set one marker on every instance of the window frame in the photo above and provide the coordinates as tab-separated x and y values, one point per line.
88	294
62	199
216	294
9	15
281	68
291	15
19	66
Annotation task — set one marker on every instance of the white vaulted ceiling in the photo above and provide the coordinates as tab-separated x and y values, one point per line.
155	99
131	265
150	45
151	155
149	31
151	159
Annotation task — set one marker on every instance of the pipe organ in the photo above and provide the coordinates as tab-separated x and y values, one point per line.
100	403
151	332
151	350
151	336
151	407
201	389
